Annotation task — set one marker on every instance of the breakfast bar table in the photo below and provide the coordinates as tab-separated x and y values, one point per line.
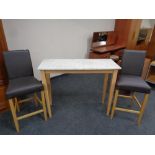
78	66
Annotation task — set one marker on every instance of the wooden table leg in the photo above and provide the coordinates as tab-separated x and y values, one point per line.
49	87
45	82
111	91
105	83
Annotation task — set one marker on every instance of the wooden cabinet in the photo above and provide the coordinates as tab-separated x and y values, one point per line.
3	75
127	31
151	73
151	47
104	45
131	33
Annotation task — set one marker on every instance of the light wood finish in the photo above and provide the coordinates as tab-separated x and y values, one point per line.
14	103
13	111
25	100
115	102
111	92
77	66
145	101
30	114
17	104
44	105
129	97
132	98
138	103
141	105
35	99
105	83
47	92
49	87
79	71
127	110
146	68
125	96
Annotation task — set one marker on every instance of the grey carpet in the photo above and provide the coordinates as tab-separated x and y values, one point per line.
77	110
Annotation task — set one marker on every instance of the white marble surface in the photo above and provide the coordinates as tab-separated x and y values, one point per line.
78	64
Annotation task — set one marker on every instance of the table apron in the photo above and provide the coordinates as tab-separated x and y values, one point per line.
79	71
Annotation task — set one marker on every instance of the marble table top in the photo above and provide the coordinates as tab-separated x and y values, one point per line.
78	64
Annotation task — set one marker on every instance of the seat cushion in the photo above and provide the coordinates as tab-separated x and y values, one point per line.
23	86
132	83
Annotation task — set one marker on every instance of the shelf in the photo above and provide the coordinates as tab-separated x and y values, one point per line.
152	63
151	79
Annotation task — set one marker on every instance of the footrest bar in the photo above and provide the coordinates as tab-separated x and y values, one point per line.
127	110
30	114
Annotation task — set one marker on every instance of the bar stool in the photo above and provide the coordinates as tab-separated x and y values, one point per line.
22	82
130	80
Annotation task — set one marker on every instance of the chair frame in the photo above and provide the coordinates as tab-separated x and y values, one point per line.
133	98
14	106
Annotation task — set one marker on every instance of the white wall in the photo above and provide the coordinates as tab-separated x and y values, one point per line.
147	23
53	38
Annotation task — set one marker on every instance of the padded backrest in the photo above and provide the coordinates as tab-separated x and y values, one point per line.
133	62
18	63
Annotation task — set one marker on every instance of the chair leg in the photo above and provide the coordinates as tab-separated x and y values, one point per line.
13	111
142	108
17	105
132	99
35	99
114	104
43	104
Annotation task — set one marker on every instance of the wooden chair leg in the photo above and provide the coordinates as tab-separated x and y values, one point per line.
17	104
132	99
114	103
35	99
13	111
43	104
143	108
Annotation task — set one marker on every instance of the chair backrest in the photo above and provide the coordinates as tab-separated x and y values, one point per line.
133	62
18	63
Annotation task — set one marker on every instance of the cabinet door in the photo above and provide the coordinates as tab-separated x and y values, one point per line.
133	33
151	47
122	29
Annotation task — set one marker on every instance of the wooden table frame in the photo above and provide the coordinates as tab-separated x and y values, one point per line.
45	75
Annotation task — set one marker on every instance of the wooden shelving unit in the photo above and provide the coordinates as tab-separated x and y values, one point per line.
151	73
